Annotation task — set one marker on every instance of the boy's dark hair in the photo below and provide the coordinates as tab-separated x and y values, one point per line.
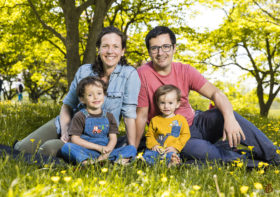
158	31
164	89
89	81
98	64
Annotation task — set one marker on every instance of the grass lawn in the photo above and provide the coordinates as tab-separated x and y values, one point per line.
137	179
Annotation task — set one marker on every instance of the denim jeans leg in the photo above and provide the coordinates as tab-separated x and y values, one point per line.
207	128
77	154
263	147
123	152
150	156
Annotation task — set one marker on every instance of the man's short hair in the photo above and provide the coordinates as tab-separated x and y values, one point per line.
164	89
89	81
158	31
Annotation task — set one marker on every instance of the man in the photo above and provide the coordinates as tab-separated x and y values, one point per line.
206	127
19	87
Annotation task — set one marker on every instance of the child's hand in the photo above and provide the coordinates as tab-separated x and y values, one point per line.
106	149
170	149
158	148
103	157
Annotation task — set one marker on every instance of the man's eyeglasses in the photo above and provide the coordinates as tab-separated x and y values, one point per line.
164	48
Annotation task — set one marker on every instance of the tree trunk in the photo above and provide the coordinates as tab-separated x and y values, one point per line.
101	8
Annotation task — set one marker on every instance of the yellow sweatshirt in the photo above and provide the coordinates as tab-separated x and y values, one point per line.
159	127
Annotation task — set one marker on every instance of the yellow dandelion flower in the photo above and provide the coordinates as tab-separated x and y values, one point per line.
275	143
260	171
196	187
250	148
278	152
67	178
231	172
166	193
243	153
63	171
46	166
139	172
244	189
140	155
276	171
265	164
104	170
258	185
163	179
55	178
32	140
239	164
102	182
260	164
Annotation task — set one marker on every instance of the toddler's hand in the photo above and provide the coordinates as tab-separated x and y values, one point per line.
170	149
158	148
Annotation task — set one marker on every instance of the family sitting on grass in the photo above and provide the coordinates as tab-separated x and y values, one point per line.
156	93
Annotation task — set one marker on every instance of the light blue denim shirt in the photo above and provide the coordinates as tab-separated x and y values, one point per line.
122	92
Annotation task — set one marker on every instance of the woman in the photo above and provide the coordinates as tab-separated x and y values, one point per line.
122	95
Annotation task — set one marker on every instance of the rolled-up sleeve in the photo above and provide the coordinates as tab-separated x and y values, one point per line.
131	93
71	99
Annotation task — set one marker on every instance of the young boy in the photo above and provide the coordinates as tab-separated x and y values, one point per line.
94	132
168	133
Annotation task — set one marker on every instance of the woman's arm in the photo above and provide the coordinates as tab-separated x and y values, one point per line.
89	145
65	119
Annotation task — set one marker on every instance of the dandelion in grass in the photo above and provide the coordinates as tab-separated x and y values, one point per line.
196	187
276	171
140	155
243	153
67	179
278	152
102	182
244	189
139	172
261	172
231	173
55	178
260	164
63	171
32	140
258	185
104	170
163	179
275	143
240	164
166	193
250	148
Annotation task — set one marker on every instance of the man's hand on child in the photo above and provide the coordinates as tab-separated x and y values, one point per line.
65	138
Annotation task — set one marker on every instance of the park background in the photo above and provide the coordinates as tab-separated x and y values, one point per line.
235	44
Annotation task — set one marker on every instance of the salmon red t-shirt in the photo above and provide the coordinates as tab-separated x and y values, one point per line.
183	76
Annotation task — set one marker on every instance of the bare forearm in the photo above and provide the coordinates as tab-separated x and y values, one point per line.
130	127
142	117
65	118
223	104
89	145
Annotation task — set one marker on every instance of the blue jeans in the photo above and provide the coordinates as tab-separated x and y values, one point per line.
77	154
19	96
207	129
151	156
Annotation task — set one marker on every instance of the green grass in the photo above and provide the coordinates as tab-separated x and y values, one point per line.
21	179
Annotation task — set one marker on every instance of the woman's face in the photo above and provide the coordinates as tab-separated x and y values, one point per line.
111	50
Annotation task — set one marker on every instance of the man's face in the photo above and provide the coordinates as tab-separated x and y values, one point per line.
161	57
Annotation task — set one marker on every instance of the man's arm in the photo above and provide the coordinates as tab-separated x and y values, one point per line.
232	129
142	117
130	127
65	119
